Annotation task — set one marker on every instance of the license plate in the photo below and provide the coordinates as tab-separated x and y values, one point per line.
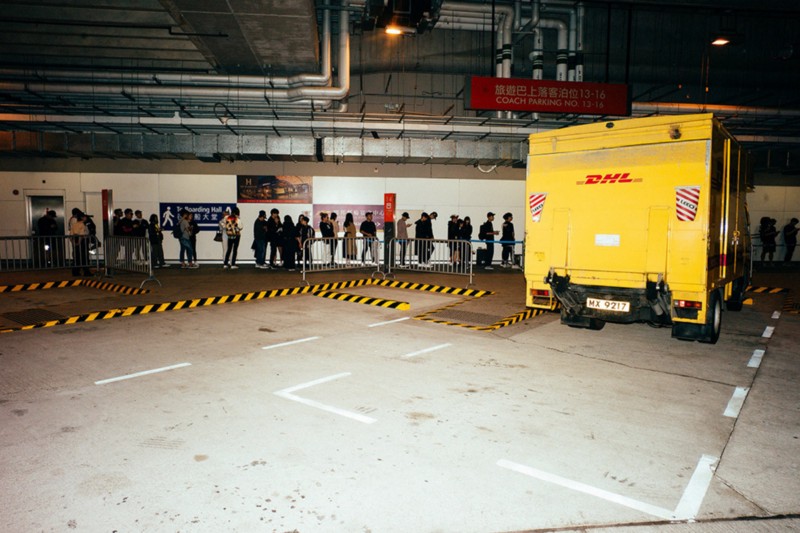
608	305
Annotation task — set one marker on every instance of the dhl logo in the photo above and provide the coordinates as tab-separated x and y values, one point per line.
600	179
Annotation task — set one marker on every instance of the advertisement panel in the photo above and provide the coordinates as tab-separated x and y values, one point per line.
274	189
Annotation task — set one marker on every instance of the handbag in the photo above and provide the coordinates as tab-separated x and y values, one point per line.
218	236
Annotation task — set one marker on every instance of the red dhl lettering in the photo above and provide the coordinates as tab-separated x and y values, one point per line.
594	179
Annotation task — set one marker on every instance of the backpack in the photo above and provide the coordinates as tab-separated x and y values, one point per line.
176	231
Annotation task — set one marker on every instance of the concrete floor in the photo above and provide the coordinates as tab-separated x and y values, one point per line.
301	413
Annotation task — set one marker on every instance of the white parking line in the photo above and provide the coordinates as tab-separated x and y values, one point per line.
287	394
776	315
695	491
688	506
426	350
665	514
755	361
387	322
143	373
736	402
289	343
768	331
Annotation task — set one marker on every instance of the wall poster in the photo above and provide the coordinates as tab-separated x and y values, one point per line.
274	189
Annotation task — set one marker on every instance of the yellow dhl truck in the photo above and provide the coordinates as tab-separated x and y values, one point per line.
638	220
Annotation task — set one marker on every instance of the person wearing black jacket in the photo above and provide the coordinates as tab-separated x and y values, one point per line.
290	243
486	233
326	232
369	231
260	239
507	236
274	237
424	230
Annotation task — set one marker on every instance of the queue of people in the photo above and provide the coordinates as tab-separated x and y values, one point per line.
279	243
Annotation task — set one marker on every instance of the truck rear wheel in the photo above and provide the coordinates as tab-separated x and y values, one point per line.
707	332
711	329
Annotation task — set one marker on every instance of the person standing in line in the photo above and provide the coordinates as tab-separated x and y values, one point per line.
156	238
350	235
507	236
224	234
423	231
80	239
305	231
326	232
195	231
260	239
790	239
233	227
186	241
369	231
452	232
402	236
335	241
274	238
767	233
486	233
47	245
140	232
116	230
291	242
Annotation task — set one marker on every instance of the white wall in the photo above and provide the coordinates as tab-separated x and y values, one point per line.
144	191
779	202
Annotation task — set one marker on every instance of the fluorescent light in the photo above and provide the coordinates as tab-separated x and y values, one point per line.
720	41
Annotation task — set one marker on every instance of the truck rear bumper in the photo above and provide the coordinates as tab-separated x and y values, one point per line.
611	304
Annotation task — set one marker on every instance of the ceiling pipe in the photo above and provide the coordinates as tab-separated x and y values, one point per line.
211	80
246	87
505	22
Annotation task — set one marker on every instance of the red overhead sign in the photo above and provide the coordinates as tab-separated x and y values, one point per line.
546	96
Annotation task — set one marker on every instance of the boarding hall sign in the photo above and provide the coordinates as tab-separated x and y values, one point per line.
207	216
547	96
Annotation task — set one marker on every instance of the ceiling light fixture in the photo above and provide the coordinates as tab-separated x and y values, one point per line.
721	41
400	30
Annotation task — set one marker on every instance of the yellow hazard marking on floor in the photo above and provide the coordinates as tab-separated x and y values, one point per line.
367	300
766	290
95	284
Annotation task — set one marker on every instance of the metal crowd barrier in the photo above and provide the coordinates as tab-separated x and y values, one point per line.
50	252
432	255
336	253
129	254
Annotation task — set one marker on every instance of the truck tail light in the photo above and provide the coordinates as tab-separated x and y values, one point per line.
540	292
688	304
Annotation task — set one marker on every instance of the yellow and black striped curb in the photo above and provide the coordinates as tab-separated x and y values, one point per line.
113	287
184	304
766	290
231	298
102	285
41	286
456	291
507	321
367	300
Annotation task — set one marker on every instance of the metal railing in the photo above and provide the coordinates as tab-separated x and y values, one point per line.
81	254
336	253
431	255
129	254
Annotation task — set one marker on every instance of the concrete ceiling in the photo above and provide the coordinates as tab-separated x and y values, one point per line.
90	78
